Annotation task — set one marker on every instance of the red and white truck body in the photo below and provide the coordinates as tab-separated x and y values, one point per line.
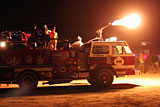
97	61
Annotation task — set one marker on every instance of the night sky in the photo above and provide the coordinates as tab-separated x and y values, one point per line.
83	17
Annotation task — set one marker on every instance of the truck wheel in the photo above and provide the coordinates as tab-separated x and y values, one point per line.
28	80
92	82
104	78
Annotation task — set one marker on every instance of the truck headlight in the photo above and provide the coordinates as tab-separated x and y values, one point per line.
3	44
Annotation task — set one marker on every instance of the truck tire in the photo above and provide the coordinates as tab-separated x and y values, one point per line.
92	82
28	80
103	78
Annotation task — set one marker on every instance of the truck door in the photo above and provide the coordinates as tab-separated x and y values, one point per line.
123	59
100	54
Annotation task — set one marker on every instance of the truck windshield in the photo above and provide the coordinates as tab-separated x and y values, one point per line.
118	49
127	49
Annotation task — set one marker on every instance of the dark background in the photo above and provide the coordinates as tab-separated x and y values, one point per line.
83	17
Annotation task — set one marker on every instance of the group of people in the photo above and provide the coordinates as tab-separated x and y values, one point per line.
36	38
49	37
148	63
40	38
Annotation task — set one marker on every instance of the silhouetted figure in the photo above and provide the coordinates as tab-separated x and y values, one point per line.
141	62
46	36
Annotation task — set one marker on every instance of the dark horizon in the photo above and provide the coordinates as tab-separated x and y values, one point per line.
73	18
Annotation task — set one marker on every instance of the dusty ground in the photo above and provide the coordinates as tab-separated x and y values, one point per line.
133	91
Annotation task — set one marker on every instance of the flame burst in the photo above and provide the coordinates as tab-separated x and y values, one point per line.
131	21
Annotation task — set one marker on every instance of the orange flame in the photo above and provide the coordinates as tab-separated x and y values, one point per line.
130	21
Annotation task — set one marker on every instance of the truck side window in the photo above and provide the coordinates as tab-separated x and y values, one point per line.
100	50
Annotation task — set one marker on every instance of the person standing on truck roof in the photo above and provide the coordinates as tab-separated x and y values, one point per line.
34	34
35	38
25	37
47	35
53	39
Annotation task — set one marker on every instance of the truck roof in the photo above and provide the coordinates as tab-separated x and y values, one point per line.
109	41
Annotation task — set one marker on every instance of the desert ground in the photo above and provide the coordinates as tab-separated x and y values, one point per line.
140	90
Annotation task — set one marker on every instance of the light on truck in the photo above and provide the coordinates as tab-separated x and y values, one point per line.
3	44
111	39
107	40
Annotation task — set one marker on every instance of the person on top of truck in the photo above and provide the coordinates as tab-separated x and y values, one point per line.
78	43
76	46
46	36
53	39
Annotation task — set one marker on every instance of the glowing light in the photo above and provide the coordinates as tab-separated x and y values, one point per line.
107	40
111	39
3	44
145	56
131	21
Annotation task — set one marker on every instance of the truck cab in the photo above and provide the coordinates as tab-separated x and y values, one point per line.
116	55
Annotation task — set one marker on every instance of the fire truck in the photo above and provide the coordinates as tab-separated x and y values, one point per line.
96	61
